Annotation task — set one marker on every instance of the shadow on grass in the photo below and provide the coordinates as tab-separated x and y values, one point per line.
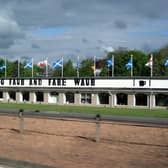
21	164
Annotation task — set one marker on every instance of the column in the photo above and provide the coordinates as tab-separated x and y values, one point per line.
46	97
131	100
33	97
94	99
6	96
19	97
112	99
61	99
77	98
151	101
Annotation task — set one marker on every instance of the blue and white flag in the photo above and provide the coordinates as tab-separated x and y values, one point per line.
109	63
58	63
28	65
166	62
78	64
3	67
129	64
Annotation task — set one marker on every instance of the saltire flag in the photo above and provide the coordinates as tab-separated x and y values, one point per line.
78	64
58	63
109	63
150	62
166	62
129	64
28	65
3	67
42	63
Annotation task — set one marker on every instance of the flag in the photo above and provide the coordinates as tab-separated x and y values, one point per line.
58	63
166	62
109	63
3	67
150	65
42	63
93	68
28	65
78	63
129	64
150	62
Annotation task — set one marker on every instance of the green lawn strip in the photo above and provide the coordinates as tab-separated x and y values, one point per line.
161	113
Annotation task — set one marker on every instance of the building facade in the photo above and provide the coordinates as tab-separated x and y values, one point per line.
108	92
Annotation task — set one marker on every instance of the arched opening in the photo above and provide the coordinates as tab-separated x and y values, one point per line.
122	99
86	98
40	96
26	96
1	95
12	95
161	100
53	98
69	97
103	98
141	99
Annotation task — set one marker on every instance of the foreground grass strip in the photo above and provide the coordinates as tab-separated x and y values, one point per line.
161	113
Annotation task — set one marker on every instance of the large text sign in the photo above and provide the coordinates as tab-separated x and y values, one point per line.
85	83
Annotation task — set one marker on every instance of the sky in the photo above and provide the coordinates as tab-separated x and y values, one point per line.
51	29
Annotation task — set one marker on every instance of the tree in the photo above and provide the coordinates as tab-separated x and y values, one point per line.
121	58
86	68
69	69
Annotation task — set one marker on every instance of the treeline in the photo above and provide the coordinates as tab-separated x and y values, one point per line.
86	67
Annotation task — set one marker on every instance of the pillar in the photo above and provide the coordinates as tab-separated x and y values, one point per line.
61	98
151	101
77	99
19	97
112	99
46	97
33	97
6	96
94	99
131	100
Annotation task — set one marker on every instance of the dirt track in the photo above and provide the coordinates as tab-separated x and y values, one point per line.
70	144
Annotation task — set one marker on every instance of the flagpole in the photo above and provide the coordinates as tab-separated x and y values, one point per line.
94	66
62	68
32	68
18	67
5	69
132	65
151	65
46	67
112	66
77	66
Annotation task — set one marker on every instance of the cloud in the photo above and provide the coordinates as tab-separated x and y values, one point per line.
108	49
120	24
35	46
59	27
84	40
9	31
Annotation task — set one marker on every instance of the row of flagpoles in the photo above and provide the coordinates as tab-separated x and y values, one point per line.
29	65
59	64
129	65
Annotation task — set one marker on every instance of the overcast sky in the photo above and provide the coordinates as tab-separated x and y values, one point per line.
55	28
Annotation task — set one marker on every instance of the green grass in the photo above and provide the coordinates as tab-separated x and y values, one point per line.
161	113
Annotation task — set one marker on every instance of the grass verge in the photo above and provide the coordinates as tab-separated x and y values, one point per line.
160	113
